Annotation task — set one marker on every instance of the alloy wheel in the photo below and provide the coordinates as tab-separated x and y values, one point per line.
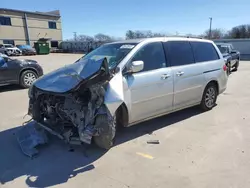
210	97
29	78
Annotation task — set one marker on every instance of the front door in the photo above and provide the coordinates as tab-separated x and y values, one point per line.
151	90
188	75
8	72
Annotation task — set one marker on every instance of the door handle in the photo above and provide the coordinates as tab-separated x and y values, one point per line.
165	76
180	73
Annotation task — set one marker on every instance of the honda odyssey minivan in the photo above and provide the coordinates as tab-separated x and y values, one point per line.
123	83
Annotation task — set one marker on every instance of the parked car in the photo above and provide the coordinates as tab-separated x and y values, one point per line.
11	50
231	56
26	49
2	49
123	83
15	71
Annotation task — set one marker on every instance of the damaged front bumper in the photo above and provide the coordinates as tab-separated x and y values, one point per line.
86	111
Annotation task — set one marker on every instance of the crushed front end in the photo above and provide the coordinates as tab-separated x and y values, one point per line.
78	114
71	115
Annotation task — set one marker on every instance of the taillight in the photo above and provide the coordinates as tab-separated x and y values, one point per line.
224	67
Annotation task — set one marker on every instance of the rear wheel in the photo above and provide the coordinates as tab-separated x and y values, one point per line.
107	131
209	97
27	78
8	53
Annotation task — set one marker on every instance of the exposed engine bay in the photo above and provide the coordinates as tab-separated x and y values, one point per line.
72	115
75	105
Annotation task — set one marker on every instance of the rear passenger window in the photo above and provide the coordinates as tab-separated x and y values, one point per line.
152	55
179	52
204	51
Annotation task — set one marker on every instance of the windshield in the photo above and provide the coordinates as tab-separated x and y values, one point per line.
113	52
8	46
223	49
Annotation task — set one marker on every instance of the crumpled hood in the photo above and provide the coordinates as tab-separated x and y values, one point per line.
68	77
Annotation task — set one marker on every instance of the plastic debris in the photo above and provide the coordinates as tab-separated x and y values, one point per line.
29	137
153	142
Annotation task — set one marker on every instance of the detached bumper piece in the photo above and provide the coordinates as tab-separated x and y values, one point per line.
29	137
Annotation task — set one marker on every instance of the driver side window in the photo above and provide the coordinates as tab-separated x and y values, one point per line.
152	55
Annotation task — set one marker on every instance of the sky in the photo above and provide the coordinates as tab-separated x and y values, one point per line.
115	17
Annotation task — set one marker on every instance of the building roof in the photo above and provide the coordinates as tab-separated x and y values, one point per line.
55	13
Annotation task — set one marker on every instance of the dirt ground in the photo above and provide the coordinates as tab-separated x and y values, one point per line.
196	149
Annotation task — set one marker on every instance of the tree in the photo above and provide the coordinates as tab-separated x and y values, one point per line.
130	34
142	34
234	33
241	31
102	38
84	38
215	34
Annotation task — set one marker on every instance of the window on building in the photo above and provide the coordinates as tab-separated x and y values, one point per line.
152	55
9	42
204	51
179	52
5	20
54	44
52	25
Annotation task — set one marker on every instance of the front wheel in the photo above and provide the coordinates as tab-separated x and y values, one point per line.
209	97
107	131
27	78
236	66
228	68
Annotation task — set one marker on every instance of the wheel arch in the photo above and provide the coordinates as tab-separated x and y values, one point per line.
215	82
123	115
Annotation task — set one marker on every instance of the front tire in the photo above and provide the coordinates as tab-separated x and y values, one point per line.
236	66
209	97
108	132
228	68
27	78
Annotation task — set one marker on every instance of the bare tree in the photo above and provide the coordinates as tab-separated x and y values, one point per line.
215	34
102	37
142	34
85	38
241	31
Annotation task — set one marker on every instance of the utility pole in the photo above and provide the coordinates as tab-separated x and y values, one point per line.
210	28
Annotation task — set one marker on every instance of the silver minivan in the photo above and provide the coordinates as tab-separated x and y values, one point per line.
124	83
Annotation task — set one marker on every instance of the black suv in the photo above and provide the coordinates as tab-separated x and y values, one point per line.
230	55
15	71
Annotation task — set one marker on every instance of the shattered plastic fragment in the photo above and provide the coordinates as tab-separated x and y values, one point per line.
30	136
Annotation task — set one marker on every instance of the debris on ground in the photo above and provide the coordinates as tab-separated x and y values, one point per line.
29	137
153	142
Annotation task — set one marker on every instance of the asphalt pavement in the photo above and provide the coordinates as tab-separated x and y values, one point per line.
195	149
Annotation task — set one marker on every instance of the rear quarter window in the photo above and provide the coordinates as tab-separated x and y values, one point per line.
204	51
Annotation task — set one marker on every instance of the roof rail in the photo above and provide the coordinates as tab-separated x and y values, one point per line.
186	36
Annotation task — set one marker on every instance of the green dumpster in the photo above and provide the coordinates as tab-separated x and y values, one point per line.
42	47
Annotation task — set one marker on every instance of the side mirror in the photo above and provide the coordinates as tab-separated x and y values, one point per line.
136	66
